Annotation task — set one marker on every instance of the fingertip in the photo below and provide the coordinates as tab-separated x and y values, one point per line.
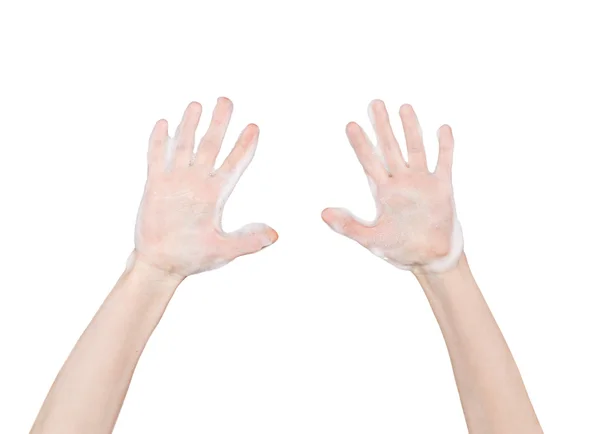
160	128
377	105
335	218
406	109
352	128
252	130
223	100
445	131
269	237
195	106
255	236
327	215
249	136
273	235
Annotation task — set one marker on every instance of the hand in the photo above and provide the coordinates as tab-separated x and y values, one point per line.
416	225
178	227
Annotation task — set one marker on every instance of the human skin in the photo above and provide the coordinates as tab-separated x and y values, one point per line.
416	228
178	233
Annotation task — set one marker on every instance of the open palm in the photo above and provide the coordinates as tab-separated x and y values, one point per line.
179	221
416	225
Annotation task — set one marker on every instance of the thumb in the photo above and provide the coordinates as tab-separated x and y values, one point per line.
343	222
250	239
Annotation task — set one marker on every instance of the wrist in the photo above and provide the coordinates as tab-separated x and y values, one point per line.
428	272
438	283
139	269
141	295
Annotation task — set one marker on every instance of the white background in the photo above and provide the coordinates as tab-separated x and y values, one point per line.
314	334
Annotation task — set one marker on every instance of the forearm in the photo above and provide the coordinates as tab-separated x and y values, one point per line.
492	393
88	392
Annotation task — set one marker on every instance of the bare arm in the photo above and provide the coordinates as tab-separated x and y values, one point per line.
178	233
491	390
417	229
88	393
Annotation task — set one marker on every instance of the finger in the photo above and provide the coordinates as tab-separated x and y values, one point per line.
242	153
414	139
238	160
343	222
209	146
185	135
444	163
366	153
386	140
248	239
157	147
